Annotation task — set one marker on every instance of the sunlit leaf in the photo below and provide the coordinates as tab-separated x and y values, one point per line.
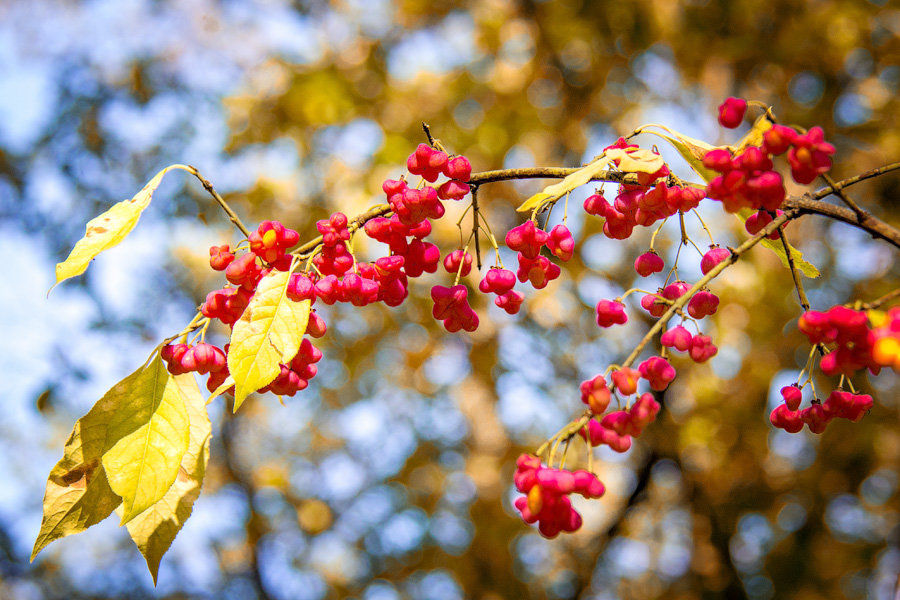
78	493
147	438
267	334
754	137
560	189
226	385
690	149
154	529
109	229
636	161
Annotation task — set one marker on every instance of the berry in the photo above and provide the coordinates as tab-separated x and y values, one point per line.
510	301
625	380
611	312
703	304
658	372
458	168
497	281
220	257
731	112
648	263
527	239
561	243
810	155
702	348
677	337
457	259
714	256
792	396
595	394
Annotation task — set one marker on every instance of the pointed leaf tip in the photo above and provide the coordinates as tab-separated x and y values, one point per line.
154	530
109	229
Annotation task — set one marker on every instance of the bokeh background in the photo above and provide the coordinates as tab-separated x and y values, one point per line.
390	477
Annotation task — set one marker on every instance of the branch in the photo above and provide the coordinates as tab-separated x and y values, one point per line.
221	201
808	205
547	173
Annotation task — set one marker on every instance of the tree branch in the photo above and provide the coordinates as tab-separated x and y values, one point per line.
808	205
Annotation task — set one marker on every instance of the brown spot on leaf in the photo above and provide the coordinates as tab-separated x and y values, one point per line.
96	230
79	477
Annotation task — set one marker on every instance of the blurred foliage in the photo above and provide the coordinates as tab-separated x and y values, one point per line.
391	476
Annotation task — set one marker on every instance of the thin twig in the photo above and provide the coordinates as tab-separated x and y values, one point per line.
861	215
795	274
878	302
221	201
839	185
475	217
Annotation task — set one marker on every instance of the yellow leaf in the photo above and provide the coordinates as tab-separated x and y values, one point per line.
110	228
148	437
154	529
78	493
636	161
560	189
754	137
267	334
777	247
690	149
228	383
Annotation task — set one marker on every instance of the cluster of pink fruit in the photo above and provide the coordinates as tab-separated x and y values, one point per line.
850	344
642	204
547	492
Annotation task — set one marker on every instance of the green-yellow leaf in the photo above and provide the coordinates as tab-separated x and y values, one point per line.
147	438
754	137
777	247
636	161
78	493
267	334
154	529
690	149
109	229
569	183
226	385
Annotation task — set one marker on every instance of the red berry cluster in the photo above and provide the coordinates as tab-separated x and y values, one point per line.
848	331
641	204
268	250
618	428
202	358
748	179
547	491
817	416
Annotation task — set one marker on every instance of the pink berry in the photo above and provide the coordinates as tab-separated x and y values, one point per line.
713	257
456	258
677	337
648	263
611	312
458	168
703	304
731	112
561	243
792	396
